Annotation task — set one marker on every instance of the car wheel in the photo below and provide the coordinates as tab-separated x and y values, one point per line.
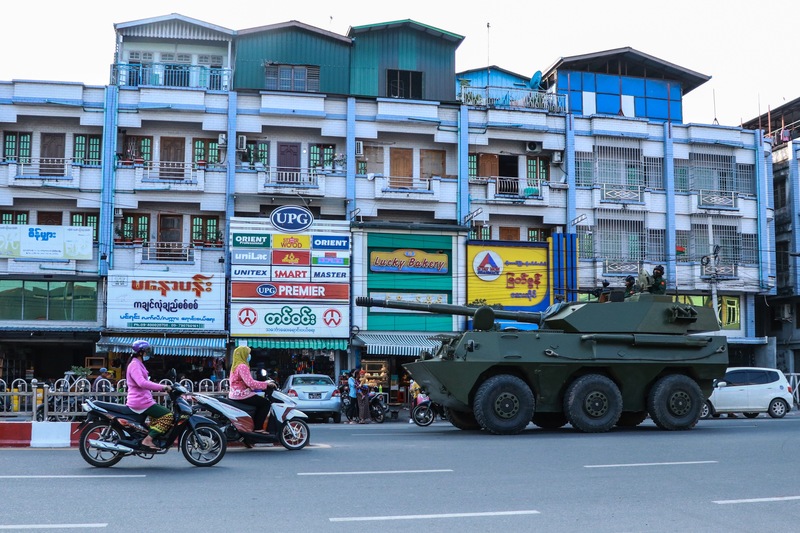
337	418
504	405
675	402
778	408
631	419
707	411
750	415
593	403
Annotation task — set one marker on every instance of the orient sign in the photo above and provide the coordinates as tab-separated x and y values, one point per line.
291	218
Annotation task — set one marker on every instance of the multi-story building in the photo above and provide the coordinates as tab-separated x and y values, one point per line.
443	187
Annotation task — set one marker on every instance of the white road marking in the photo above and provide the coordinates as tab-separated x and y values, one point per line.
369	473
52	526
623	465
758	500
429	516
89	476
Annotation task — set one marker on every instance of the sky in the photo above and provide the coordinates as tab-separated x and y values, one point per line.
732	41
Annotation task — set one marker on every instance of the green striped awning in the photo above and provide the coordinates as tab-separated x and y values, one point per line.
297	344
407	344
174	346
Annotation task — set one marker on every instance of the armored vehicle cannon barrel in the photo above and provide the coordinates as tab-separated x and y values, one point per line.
594	365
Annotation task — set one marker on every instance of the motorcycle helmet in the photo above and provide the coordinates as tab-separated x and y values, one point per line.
141	346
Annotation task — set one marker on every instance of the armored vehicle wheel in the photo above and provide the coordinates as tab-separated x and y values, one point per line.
504	405
549	420
631	419
675	402
593	403
462	420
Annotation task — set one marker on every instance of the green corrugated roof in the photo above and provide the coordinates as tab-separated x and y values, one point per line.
298	344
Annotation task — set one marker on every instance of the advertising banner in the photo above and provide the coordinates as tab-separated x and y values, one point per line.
45	242
275	290
330	274
146	300
291	242
251	240
289	273
514	276
334	259
258	273
295	319
291	258
251	257
408	261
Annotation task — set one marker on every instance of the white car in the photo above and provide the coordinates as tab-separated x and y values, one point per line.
750	391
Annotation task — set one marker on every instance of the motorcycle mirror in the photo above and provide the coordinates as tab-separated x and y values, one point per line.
172	375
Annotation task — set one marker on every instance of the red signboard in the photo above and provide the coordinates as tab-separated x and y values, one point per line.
276	290
291	258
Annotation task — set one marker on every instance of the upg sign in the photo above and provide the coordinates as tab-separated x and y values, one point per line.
291	218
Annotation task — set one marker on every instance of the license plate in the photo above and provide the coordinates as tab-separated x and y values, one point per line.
314	395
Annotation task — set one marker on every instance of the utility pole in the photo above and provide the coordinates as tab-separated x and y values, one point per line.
714	277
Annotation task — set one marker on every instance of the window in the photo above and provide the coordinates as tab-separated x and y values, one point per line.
431	163
373	157
655	245
205	229
86	150
780	194
681	175
404	84
750	249
654	172
14	217
584	169
136	227
291	78
682	246
206	150
48	300
585	242
472	166
138	147
480	231
537	171
17	146
538	234
86	219
141	68
321	155
258	152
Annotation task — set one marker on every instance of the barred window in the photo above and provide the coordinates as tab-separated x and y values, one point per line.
584	169
585	242
749	249
682	247
619	165
655	245
620	240
681	175
714	170
654	172
746	178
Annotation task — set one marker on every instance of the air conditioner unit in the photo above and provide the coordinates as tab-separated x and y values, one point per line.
241	142
117	212
533	147
222	139
359	148
557	157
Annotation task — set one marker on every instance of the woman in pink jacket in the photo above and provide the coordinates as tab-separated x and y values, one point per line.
140	394
243	387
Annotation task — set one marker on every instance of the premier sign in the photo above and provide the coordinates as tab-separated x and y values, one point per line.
251	290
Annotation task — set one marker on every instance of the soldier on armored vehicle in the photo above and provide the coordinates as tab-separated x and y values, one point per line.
593	365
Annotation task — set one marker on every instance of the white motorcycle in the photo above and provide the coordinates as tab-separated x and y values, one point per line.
285	424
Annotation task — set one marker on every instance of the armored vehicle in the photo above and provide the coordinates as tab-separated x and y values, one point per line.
594	365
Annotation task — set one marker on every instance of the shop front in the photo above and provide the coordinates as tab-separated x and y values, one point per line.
286	356
181	315
383	354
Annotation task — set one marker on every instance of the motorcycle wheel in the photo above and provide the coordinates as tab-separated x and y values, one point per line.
205	446
294	434
102	431
423	415
377	414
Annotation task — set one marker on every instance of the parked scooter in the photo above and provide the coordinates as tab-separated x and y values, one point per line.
112	431
285	424
426	411
377	408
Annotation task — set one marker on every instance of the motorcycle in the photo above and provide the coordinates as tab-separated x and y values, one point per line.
285	422
377	408
426	411
112	431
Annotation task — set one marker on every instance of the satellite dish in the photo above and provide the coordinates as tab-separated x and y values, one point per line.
536	80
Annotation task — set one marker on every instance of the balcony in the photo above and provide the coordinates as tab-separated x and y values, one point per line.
48	171
727	271
179	252
512	98
284	180
160	175
396	187
170	75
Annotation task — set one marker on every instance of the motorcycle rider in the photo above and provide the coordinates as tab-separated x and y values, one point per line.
243	387
140	394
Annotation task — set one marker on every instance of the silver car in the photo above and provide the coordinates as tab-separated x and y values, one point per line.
316	395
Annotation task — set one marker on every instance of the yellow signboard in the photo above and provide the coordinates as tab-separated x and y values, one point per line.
291	242
514	276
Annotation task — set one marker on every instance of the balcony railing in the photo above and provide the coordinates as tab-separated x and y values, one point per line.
165	170
517	187
278	176
622	193
509	97
719	271
168	251
170	75
409	183
716	199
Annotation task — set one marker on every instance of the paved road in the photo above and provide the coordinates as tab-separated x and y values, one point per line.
732	475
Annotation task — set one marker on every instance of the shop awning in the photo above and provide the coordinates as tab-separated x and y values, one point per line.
175	346
408	344
297	344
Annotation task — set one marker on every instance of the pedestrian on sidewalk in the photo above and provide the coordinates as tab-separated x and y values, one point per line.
363	400
352	394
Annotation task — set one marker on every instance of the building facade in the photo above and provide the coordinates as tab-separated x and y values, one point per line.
438	181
